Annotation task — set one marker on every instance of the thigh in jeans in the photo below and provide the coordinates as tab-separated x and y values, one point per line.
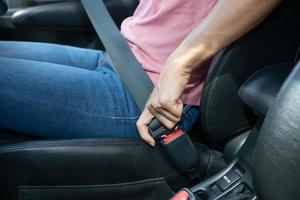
60	101
51	53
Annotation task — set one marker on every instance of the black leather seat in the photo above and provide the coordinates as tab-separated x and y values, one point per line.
57	21
277	159
60	13
273	42
261	89
33	166
3	7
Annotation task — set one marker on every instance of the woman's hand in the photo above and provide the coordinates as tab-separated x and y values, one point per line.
165	102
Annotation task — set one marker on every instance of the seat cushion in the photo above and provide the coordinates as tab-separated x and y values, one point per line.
9	137
91	162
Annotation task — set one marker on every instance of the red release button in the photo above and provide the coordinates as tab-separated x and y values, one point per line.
181	195
173	136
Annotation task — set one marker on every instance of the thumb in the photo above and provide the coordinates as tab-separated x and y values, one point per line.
142	125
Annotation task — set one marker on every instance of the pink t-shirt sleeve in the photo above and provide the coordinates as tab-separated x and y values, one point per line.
157	28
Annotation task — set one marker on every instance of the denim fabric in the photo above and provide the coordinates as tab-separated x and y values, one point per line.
56	91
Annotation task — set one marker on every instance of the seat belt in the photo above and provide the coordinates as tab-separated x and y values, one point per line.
176	142
124	61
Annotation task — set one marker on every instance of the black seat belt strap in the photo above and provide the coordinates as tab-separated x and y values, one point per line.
176	142
124	62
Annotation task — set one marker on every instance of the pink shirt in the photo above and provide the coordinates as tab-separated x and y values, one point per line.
157	28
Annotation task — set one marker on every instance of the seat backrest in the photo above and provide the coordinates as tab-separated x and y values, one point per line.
274	41
277	158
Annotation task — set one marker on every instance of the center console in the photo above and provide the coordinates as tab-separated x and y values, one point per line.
235	182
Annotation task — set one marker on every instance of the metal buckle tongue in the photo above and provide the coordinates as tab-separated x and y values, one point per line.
157	130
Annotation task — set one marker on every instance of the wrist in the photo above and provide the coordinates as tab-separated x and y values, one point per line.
186	59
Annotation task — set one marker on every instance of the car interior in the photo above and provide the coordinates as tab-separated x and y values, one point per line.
247	136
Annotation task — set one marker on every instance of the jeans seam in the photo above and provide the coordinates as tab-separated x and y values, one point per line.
100	62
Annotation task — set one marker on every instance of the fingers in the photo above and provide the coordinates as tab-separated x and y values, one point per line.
142	126
165	118
166	111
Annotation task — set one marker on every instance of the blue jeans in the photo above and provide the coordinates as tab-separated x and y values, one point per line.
56	91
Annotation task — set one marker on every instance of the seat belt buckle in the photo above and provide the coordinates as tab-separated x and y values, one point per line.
180	150
177	145
157	130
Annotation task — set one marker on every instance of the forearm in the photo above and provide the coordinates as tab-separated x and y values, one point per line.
229	20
